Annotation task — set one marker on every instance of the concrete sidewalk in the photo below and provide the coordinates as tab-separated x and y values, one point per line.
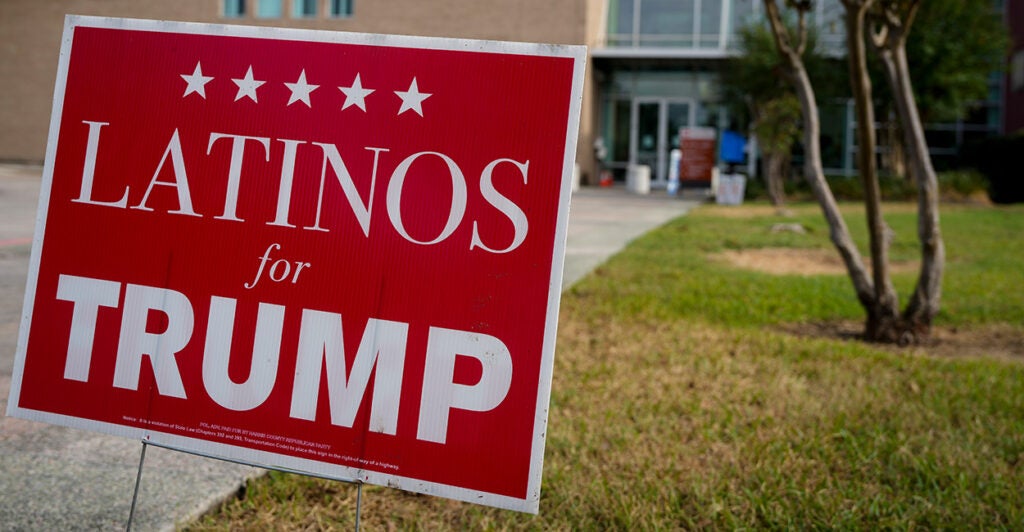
603	220
55	478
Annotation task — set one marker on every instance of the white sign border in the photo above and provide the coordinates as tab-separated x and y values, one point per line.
530	504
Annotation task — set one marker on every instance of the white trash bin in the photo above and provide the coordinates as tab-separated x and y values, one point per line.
730	189
638	179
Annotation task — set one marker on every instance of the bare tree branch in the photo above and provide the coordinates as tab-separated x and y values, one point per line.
813	171
775	19
898	17
879	34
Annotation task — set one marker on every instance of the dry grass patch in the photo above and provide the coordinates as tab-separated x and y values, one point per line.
751	210
795	261
668	425
759	210
998	341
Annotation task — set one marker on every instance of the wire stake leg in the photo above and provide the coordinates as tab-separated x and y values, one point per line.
359	502
135	494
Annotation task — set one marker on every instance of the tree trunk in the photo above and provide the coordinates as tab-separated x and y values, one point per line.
897	155
883	312
813	171
924	304
773	179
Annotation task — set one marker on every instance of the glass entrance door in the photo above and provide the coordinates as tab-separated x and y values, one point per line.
655	132
647	133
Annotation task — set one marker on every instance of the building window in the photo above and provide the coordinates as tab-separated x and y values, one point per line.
705	24
665	23
668	23
269	8
234	8
304	8
340	8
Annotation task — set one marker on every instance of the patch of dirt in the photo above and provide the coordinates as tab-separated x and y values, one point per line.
1000	341
755	210
741	211
793	261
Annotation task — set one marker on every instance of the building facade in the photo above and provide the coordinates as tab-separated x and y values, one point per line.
30	33
653	64
657	65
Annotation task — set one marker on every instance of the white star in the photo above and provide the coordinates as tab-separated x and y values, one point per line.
247	86
196	82
300	90
355	95
412	98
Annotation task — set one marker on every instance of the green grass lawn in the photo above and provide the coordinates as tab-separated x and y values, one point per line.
679	401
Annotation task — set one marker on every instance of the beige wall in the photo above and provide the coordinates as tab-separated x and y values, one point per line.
595	22
30	33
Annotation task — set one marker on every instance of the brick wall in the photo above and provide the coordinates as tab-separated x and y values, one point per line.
30	32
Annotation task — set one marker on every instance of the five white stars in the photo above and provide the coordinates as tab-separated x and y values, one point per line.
247	86
355	94
300	89
412	99
196	82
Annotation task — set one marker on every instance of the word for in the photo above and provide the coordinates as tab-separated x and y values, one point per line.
280	270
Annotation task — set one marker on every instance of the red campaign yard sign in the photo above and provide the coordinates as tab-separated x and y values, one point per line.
335	253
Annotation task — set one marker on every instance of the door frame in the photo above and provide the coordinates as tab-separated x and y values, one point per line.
659	174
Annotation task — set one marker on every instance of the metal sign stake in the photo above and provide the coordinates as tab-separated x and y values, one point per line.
142	460
359	502
135	494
